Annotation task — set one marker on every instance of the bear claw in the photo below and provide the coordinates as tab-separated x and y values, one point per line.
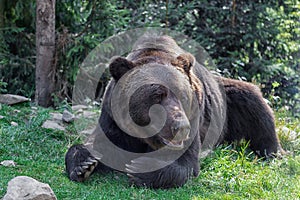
82	172
80	163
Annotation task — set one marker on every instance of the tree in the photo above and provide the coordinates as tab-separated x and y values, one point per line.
45	51
2	3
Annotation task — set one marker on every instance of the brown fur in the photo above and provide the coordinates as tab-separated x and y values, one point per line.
234	110
244	100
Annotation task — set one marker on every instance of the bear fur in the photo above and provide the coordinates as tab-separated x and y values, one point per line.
200	111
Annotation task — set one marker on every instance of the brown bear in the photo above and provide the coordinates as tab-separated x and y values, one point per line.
160	109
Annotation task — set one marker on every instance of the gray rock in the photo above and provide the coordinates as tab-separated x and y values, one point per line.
79	112
87	132
11	99
67	116
14	124
56	116
34	108
49	124
1	117
26	188
89	114
79	107
8	163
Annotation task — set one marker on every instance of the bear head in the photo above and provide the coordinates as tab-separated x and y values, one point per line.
157	99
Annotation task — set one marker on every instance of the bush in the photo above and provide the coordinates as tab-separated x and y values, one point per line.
250	40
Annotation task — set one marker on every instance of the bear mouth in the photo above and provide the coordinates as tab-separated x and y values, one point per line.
174	144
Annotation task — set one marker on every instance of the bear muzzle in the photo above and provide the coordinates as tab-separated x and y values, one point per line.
180	130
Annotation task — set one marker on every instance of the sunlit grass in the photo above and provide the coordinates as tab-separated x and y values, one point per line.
230	172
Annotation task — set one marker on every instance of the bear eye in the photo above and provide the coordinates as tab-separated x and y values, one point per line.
159	96
159	92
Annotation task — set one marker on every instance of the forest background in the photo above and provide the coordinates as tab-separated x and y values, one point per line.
257	41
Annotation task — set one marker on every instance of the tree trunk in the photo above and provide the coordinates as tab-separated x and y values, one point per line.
2	5
45	49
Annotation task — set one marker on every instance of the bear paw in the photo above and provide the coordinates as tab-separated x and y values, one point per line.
142	171
80	163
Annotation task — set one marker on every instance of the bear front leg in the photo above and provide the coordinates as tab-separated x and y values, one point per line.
80	163
170	176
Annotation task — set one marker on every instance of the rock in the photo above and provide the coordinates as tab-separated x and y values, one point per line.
1	117
49	124
87	132
34	108
79	112
96	103
26	188
67	116
56	116
89	114
11	99
8	163
79	107
14	124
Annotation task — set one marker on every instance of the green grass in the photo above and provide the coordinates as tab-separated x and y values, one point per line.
230	172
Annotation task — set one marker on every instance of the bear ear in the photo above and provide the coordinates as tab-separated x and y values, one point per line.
185	61
119	66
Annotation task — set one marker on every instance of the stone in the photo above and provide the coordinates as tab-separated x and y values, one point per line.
67	116
27	188
79	112
56	116
34	108
79	107
87	132
11	99
49	124
8	163
89	114
14	124
1	117
96	103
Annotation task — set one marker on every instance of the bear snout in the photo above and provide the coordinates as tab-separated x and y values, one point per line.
180	129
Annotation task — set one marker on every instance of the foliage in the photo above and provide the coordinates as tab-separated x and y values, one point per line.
17	46
230	172
256	41
2	86
81	26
